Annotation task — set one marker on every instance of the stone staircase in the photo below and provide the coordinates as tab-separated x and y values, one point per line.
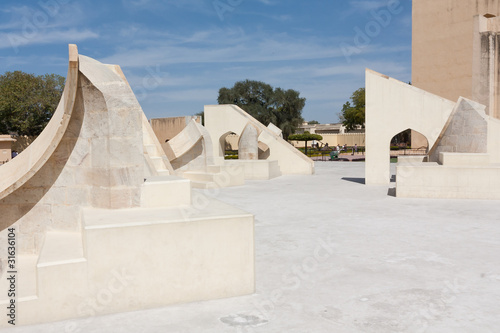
215	176
154	157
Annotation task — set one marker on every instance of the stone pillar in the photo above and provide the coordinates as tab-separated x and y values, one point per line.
485	78
248	146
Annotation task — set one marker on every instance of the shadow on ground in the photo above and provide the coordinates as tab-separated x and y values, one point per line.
355	180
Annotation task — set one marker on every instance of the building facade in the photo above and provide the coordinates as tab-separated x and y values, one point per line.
443	44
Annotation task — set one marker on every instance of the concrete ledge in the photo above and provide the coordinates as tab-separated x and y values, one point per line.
257	169
411	160
463	159
452	182
165	191
171	255
135	259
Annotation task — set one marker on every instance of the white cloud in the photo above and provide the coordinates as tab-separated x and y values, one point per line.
223	46
16	40
367	5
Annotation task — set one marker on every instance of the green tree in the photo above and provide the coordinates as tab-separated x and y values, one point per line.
353	112
202	115
27	102
306	136
313	122
266	104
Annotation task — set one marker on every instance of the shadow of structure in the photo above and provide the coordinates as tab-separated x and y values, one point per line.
355	180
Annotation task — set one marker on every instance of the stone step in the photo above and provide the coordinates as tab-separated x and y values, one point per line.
96	218
257	169
199	176
165	191
203	184
213	168
61	248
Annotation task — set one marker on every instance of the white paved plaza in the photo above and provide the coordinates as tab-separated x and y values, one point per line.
333	255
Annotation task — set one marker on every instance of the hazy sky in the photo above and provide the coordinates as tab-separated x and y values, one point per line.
176	54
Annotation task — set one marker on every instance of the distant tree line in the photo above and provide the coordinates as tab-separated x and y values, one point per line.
27	101
281	107
353	111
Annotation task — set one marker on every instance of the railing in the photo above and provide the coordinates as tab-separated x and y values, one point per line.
409	151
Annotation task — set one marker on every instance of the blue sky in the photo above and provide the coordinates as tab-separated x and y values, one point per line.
176	54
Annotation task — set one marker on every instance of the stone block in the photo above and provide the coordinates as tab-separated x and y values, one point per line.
100	149
125	151
66	218
77	196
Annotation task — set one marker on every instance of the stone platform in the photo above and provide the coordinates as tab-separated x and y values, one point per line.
352	259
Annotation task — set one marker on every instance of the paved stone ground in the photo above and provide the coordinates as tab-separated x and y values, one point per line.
333	255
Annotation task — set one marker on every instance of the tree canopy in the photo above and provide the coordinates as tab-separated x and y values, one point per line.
306	136
27	102
353	114
267	104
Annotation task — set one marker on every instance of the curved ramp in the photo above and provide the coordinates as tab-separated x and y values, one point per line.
19	170
183	142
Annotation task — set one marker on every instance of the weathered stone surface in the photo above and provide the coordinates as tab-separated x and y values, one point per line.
248	146
222	120
97	165
465	132
100	149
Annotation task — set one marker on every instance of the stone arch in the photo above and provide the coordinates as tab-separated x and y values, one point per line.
406	136
412	138
222	143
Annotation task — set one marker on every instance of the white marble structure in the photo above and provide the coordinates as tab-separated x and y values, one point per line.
280	156
102	226
464	161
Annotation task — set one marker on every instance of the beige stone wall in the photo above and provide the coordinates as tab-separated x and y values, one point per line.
442	53
418	140
168	128
232	141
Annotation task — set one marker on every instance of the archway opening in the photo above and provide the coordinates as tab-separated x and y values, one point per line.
228	145
407	143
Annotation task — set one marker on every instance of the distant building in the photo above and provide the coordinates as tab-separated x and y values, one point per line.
333	134
327	129
5	148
